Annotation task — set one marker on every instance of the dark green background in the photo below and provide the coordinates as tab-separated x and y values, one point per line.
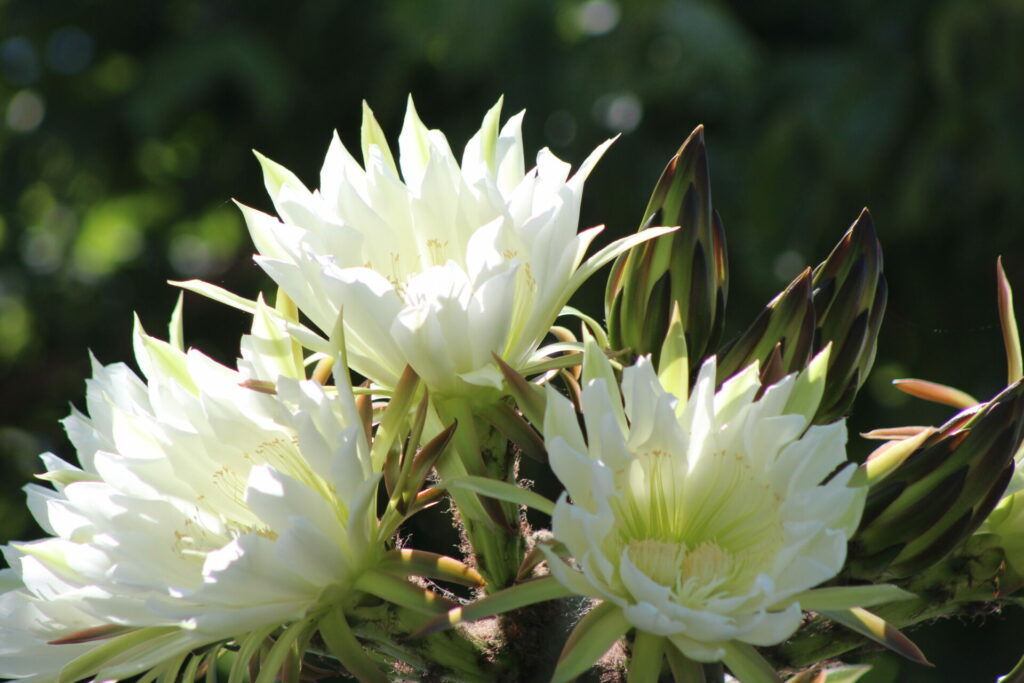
125	128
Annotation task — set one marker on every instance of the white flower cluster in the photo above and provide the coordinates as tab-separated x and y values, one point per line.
202	510
213	506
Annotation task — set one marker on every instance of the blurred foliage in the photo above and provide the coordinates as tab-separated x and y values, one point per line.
125	128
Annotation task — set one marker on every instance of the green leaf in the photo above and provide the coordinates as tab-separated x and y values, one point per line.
593	635
592	324
502	490
836	674
517	430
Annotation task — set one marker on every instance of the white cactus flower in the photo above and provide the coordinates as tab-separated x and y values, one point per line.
705	521
203	509
437	265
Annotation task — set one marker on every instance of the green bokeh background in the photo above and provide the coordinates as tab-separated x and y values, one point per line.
126	127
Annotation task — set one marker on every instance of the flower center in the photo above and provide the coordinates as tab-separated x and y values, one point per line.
694	575
704	534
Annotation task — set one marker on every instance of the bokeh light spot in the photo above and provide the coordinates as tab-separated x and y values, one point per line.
25	111
69	50
19	61
598	17
619	112
788	264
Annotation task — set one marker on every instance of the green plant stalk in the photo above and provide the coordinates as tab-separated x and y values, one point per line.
496	540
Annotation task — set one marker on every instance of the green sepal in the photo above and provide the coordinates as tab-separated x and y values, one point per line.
646	658
786	323
514	597
875	628
408	562
342	644
95	659
403	593
850	294
844	597
1008	325
589	640
502	490
250	646
371	135
747	664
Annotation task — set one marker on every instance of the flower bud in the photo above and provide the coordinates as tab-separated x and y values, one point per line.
686	268
925	500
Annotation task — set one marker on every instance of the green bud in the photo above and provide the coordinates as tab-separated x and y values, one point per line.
849	302
686	268
782	334
840	302
940	493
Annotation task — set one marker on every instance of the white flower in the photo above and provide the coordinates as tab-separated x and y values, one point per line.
702	521
203	510
437	265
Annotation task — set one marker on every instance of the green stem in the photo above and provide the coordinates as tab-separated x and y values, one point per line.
491	528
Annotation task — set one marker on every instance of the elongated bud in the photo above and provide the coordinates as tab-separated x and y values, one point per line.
686	268
840	302
939	494
849	301
783	330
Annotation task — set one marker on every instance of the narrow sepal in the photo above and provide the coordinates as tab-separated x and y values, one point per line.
877	629
593	635
505	600
645	659
342	644
408	562
502	490
401	592
1008	325
785	326
747	664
